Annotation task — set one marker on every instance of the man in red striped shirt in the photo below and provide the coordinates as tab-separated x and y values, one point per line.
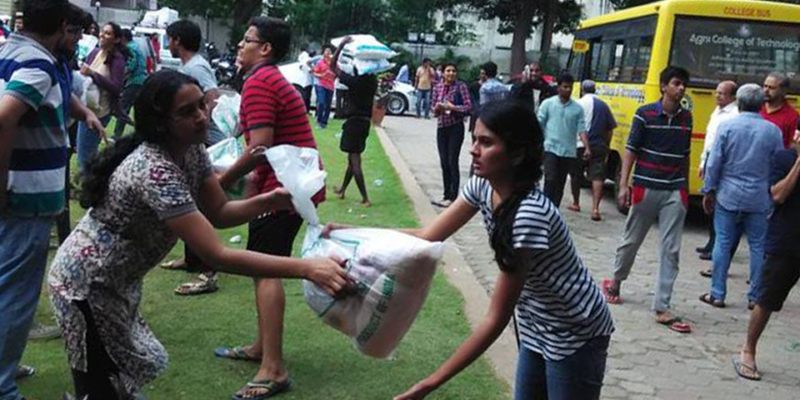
272	113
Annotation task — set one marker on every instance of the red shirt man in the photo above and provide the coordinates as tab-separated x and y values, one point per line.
776	109
785	118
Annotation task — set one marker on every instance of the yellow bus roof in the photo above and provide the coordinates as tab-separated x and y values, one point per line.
753	10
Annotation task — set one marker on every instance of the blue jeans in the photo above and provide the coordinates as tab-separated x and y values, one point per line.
730	225
424	102
324	98
577	377
88	142
23	256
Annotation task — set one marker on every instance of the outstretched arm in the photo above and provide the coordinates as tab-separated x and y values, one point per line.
506	292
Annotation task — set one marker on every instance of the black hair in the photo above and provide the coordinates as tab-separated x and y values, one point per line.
77	17
92	26
565	78
276	32
517	127
490	68
153	108
119	47
328	46
426	59
449	64
127	35
188	34
673	72
44	17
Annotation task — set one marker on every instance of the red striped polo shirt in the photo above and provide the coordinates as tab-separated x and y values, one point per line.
269	100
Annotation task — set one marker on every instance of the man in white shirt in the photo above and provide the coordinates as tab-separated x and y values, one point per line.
306	82
725	110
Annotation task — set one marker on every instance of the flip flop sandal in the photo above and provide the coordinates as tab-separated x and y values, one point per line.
612	296
175	265
596	216
676	324
739	367
710	300
573	207
205	285
25	371
707	273
272	388
235	353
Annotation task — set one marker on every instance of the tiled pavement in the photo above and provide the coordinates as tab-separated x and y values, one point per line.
646	361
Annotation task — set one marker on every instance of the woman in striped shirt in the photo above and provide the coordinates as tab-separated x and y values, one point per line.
563	321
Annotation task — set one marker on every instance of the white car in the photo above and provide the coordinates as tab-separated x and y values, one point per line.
400	100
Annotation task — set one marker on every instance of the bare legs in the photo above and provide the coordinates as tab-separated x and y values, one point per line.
354	171
758	321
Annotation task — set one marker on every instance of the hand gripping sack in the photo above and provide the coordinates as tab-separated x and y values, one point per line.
392	271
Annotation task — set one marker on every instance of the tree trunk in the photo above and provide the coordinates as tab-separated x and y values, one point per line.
243	10
547	30
523	23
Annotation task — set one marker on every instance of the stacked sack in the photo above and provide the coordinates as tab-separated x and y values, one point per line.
365	54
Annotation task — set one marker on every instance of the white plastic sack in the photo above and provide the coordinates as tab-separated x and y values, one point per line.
86	44
226	114
366	47
91	93
362	67
150	19
393	271
166	16
223	155
298	170
393	274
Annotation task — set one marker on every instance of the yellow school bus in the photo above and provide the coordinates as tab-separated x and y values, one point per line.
714	40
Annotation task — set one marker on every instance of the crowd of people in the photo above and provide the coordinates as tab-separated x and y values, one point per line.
149	188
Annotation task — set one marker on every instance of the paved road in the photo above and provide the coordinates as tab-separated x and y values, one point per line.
646	361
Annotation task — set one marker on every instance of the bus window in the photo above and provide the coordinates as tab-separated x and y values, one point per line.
642	59
714	50
620	52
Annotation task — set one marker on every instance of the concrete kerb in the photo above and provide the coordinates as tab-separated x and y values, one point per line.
503	353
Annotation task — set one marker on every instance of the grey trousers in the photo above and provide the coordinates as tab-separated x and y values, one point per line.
667	208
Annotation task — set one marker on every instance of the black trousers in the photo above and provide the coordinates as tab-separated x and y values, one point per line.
274	233
555	176
448	141
96	382
306	95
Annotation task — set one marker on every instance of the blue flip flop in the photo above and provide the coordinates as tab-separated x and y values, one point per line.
234	353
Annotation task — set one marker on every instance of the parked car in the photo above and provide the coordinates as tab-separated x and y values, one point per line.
398	102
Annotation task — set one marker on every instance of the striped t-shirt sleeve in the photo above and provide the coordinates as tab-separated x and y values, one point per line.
532	225
472	190
29	85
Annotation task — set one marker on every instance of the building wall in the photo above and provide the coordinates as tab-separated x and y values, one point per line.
6	7
491	45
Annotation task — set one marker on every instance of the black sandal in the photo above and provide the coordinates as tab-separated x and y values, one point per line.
710	300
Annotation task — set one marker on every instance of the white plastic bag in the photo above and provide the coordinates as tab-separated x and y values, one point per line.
226	114
393	274
393	271
223	155
91	93
366	47
362	67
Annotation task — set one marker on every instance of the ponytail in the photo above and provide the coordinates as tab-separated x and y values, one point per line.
100	169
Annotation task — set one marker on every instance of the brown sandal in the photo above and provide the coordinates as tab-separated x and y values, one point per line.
207	283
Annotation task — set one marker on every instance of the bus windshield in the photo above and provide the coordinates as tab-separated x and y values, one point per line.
715	50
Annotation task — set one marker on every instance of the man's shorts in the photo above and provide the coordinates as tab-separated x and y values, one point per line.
779	275
354	135
596	166
274	233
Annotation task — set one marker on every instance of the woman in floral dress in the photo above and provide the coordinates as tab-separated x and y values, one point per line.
143	194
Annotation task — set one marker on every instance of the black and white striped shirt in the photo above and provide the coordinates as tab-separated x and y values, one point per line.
561	307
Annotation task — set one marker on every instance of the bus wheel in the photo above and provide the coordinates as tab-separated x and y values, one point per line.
617	180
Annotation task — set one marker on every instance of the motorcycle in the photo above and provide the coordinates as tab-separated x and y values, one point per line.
225	68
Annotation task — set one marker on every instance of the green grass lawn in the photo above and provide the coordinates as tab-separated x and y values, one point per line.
322	362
